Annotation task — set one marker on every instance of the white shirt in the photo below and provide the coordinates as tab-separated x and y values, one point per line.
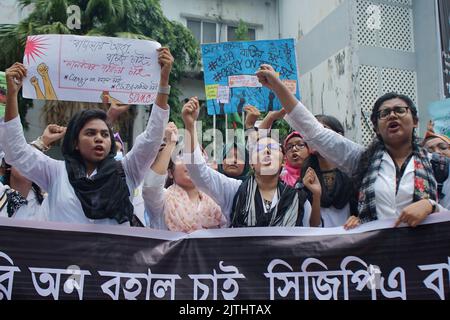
333	218
138	204
221	188
345	154
153	193
51	175
31	211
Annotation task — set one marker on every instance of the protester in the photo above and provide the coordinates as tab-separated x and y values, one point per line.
394	177
21	198
181	206
89	186
296	150
262	200
235	163
436	143
338	200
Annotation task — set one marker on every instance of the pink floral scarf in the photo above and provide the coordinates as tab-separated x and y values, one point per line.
183	215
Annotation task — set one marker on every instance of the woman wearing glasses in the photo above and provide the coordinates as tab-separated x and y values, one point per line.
393	177
297	152
262	200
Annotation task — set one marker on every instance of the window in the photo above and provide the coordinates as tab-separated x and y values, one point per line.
204	32
196	29
232	33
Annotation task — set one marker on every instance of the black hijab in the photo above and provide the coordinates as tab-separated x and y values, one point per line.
106	194
226	150
342	192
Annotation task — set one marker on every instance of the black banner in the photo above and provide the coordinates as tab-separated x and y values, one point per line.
374	262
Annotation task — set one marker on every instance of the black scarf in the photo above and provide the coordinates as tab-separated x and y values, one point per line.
226	150
342	193
425	186
106	194
248	210
14	201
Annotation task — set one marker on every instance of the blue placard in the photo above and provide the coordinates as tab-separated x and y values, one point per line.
440	114
229	70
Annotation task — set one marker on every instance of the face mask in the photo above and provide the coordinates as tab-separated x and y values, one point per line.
119	156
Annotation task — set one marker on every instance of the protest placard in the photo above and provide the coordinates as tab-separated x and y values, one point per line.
440	114
91	69
230	80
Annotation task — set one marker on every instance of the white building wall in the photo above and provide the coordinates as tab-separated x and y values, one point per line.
328	89
11	13
299	17
261	14
326	57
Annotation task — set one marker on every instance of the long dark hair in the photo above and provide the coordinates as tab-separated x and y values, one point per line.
335	125
36	189
74	127
343	192
170	169
377	142
331	122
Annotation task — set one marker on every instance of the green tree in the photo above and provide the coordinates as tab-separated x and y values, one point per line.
137	19
242	31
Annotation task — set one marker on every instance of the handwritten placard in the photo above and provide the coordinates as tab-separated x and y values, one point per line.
211	91
91	69
231	66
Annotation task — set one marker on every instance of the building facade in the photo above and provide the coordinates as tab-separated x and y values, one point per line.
352	51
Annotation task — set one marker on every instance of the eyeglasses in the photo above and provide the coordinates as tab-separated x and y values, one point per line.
399	112
299	146
270	146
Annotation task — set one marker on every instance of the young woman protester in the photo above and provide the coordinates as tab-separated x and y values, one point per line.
235	163
175	203
21	198
89	186
296	150
394	177
439	145
262	200
338	201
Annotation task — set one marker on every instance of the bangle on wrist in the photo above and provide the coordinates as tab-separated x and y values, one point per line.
40	145
251	129
164	90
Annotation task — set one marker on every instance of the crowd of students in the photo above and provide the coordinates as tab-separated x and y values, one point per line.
316	178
